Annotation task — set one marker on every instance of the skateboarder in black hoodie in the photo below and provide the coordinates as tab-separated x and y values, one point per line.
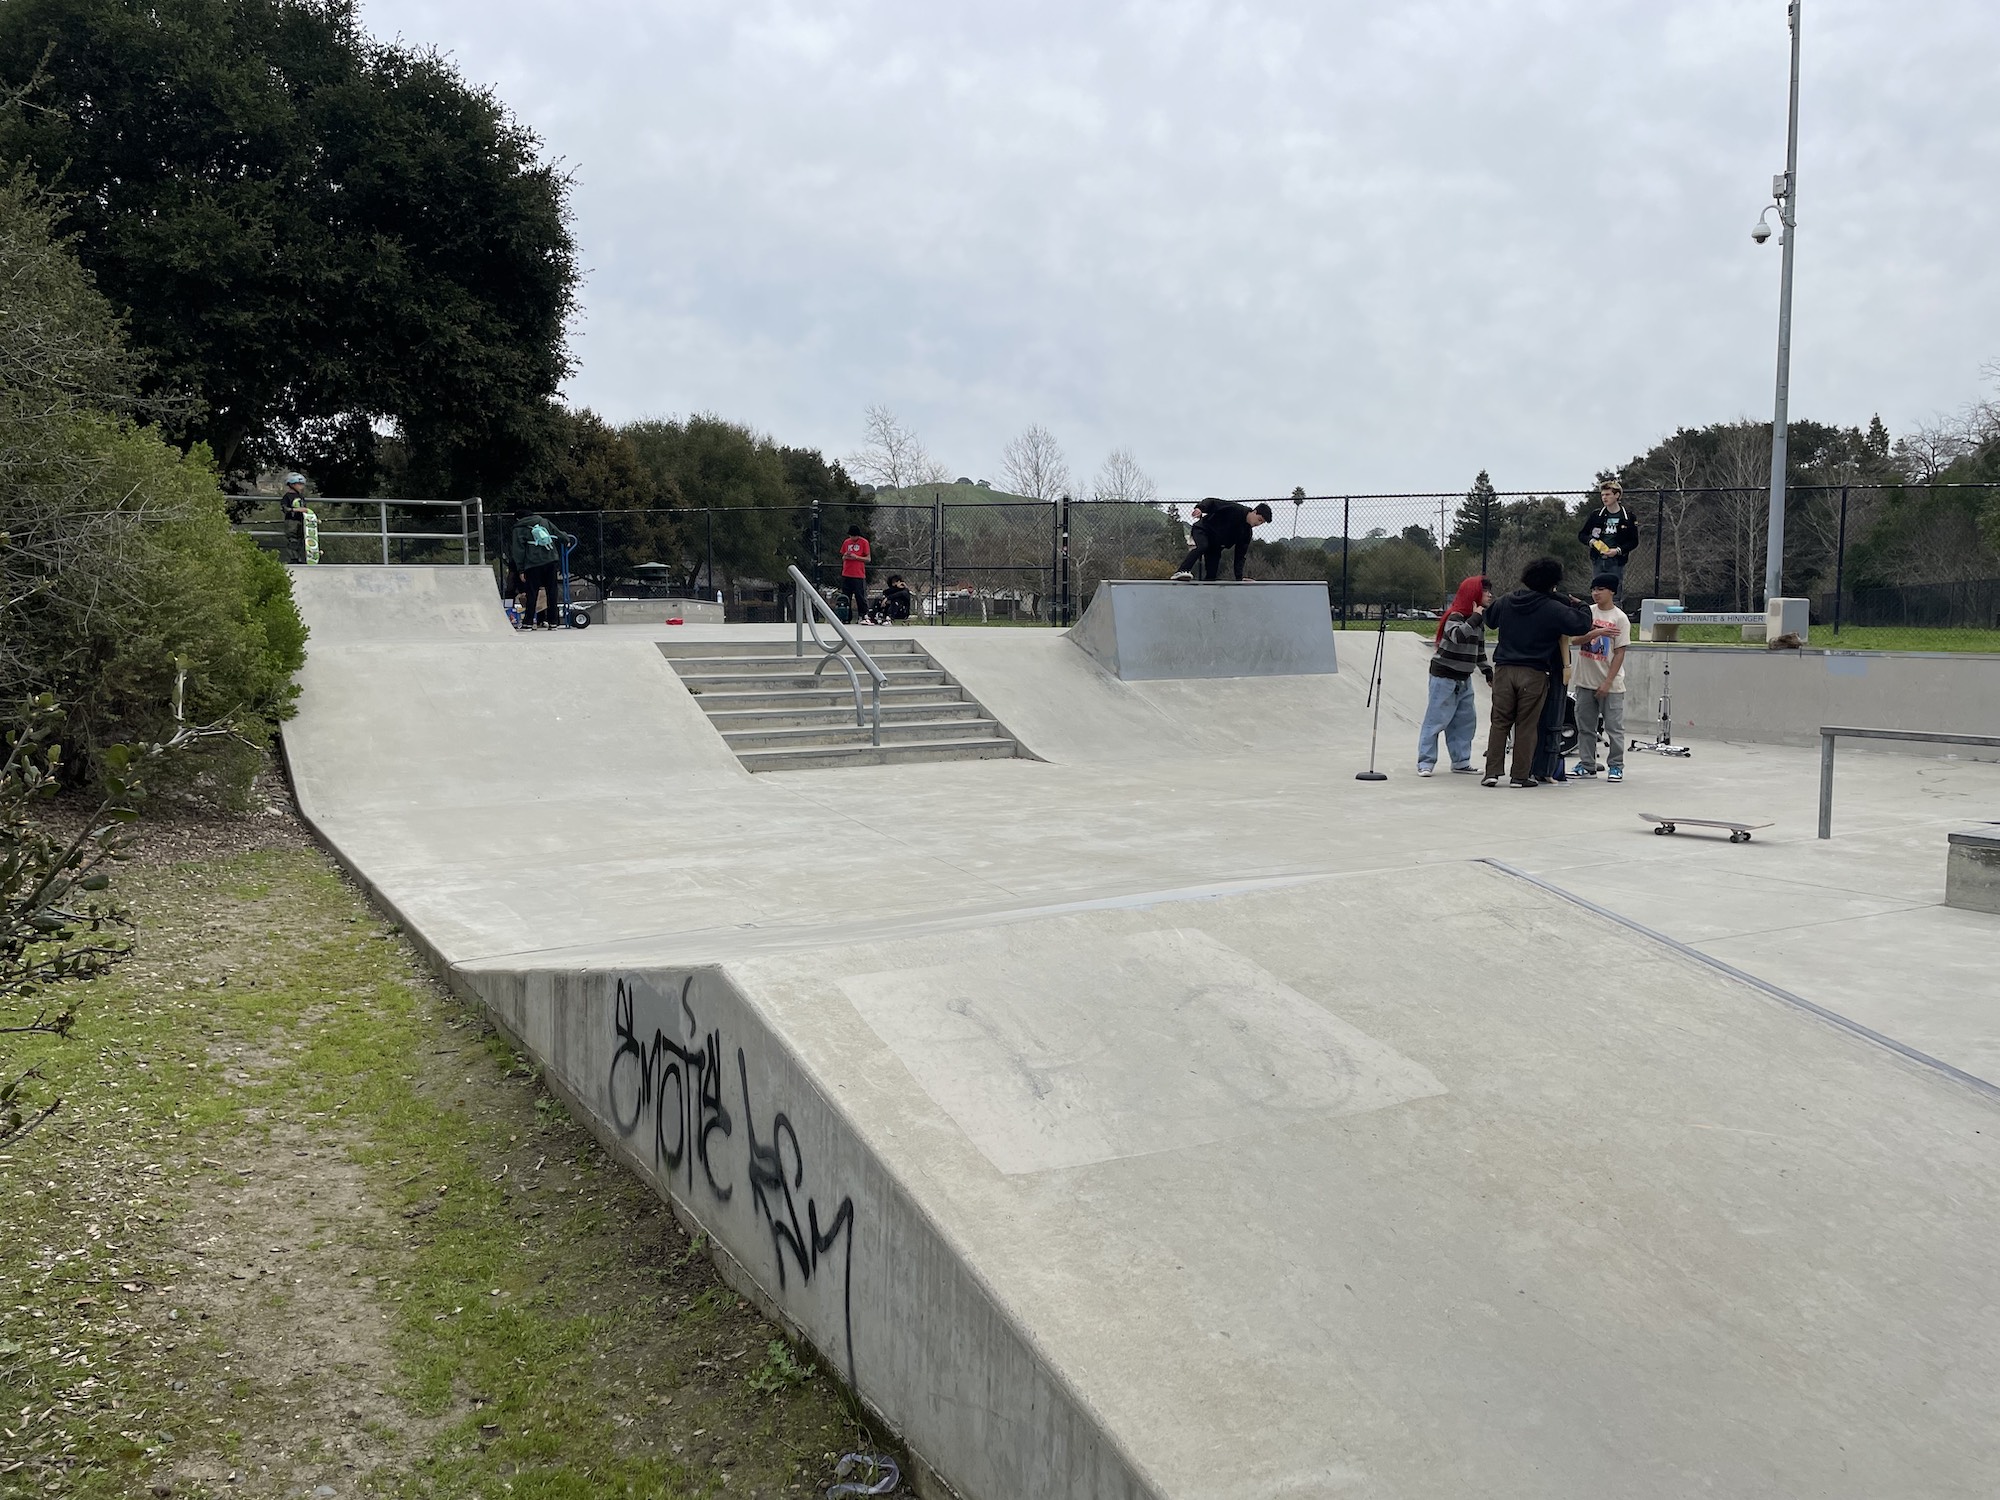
1611	533
1219	524
1532	622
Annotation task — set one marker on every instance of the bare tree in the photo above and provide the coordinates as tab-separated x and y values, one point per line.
1033	465
1121	478
891	455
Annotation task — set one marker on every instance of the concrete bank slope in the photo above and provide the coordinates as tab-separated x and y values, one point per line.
1337	1188
1176	1115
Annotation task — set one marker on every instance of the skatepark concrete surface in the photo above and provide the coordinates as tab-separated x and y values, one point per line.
1175	1115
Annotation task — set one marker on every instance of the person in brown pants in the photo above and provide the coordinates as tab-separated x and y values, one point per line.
1532	622
1518	692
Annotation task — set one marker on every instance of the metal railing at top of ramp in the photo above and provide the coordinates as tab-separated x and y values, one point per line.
803	622
1828	733
369	522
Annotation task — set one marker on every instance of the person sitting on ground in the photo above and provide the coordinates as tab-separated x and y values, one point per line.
535	548
1219	524
1532	622
1600	683
1460	650
896	598
1610	533
854	555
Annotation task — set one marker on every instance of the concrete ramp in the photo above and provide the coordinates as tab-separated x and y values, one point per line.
1143	631
399	604
1177	1116
1322	1190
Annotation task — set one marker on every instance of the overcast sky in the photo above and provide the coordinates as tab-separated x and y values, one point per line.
1350	246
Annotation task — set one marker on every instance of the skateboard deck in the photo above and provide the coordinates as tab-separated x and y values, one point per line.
312	536
1739	833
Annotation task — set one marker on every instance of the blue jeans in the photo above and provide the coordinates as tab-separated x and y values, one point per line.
1452	712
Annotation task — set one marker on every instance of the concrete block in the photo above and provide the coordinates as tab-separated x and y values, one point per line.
1784	617
1145	631
1972	870
657	611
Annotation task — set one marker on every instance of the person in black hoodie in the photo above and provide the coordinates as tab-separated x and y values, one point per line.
1219	524
1610	533
1532	622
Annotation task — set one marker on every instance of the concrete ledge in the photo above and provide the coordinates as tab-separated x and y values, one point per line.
1782	697
1972	870
1147	631
656	611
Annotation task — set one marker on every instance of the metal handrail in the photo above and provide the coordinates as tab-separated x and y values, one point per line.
802	622
471	531
1828	733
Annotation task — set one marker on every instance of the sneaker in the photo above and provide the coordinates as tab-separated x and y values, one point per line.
1425	770
1616	773
1515	781
1463	770
1489	781
1585	773
1181	578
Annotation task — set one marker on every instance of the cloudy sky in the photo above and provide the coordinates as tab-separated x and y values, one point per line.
1350	246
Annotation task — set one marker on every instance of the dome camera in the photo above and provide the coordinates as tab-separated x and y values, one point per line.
1761	233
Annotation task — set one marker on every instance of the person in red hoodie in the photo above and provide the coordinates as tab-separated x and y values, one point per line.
854	555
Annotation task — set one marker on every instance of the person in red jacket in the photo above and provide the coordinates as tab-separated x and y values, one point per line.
854	555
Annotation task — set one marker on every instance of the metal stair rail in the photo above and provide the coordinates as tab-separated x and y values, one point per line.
804	623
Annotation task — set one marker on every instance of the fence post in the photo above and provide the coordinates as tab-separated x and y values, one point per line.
1659	537
1840	562
815	542
382	514
708	580
465	533
1485	531
1062	552
1346	526
937	505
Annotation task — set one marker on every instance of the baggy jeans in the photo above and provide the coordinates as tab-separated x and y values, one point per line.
1517	704
1595	716
1452	712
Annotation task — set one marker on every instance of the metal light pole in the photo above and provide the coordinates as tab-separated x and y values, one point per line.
1785	190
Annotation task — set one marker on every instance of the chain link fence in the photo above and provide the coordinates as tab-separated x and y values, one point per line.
1865	554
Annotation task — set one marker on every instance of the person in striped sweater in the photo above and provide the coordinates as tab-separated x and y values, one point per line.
1461	651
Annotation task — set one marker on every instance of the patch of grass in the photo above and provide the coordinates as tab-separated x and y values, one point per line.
191	1300
1853	638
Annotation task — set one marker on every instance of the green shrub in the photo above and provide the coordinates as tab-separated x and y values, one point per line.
121	583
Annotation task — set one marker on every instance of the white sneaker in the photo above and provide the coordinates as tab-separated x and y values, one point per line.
1181	578
1425	770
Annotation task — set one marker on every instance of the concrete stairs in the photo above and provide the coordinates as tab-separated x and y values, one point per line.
776	716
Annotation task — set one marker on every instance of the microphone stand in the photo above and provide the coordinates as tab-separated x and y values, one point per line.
1375	698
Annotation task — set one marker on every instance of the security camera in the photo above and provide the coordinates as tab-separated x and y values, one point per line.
1761	233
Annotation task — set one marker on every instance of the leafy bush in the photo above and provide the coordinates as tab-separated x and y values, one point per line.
120	579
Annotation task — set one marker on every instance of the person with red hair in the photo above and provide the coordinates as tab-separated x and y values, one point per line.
1460	645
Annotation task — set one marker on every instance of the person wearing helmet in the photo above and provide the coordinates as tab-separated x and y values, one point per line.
293	502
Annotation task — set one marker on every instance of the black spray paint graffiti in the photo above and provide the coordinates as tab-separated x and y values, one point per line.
684	1129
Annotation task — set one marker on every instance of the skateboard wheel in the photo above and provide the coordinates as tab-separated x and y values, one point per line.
1670	828
1661	829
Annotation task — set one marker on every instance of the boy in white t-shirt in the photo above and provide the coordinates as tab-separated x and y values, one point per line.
1599	680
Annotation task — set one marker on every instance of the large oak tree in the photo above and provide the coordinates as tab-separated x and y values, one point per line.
322	237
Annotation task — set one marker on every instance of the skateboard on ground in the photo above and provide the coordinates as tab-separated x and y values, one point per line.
1739	833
